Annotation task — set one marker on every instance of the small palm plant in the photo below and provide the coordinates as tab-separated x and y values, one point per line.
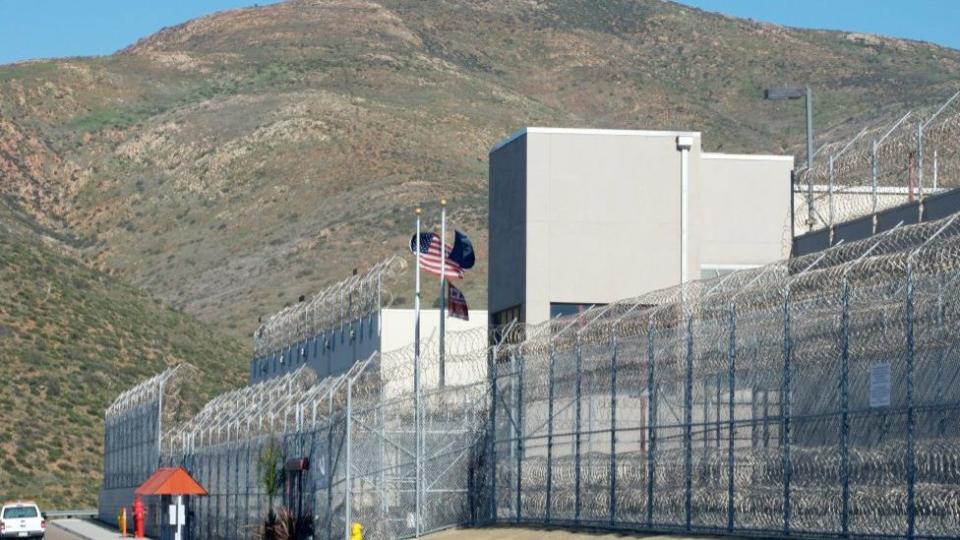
271	477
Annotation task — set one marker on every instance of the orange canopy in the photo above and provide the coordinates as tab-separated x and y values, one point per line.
170	481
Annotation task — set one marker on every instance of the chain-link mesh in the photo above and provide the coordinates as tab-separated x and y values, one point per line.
371	457
139	427
812	396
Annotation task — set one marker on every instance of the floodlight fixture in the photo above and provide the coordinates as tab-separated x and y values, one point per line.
784	93
791	93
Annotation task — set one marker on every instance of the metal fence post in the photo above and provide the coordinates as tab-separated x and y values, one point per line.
219	495
718	412
731	381
830	189
942	420
259	507
246	497
514	432
688	428
613	426
472	471
920	166
874	184
381	454
936	180
845	410
417	419
577	435
330	466
550	405
348	487
651	422
493	436
910	465
240	518
212	497
519	441
785	412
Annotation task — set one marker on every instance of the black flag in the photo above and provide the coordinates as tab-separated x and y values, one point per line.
462	252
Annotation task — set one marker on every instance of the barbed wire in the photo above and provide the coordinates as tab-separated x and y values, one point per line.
719	397
882	167
729	362
353	298
150	389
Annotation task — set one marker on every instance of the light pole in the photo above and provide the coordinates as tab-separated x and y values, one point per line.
777	94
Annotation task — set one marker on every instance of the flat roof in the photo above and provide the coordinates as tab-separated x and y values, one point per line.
590	131
746	157
868	190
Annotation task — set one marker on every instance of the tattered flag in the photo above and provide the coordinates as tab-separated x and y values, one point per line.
457	304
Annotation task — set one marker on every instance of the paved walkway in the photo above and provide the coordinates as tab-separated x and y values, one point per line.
511	533
80	529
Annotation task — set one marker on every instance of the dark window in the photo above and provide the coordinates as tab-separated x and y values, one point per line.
500	322
506	316
20	512
561	309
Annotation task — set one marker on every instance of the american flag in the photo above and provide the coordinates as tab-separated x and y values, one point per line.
430	256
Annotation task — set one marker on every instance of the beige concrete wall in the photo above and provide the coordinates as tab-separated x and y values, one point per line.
603	215
398	331
398	326
743	210
848	204
597	215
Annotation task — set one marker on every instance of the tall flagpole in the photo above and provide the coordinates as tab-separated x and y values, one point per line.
416	385
443	286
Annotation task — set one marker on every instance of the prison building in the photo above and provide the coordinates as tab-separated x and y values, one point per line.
582	217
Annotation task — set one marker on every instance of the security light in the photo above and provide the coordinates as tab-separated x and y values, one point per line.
784	93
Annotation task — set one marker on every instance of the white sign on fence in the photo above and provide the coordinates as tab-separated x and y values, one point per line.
880	385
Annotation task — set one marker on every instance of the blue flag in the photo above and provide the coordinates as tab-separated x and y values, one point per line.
462	252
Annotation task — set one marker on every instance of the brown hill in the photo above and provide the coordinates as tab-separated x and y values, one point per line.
71	339
232	162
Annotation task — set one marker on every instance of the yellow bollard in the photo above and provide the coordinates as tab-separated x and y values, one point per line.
356	532
122	521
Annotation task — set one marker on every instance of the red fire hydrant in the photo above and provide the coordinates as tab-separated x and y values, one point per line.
139	513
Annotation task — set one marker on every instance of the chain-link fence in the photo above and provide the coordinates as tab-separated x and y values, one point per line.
816	396
365	446
881	167
359	432
140	426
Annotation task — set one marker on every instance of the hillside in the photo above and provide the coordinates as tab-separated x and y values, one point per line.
229	164
71	340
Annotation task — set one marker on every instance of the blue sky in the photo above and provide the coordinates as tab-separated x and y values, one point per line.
54	28
936	21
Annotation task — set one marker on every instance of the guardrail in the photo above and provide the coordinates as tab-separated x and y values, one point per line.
66	514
